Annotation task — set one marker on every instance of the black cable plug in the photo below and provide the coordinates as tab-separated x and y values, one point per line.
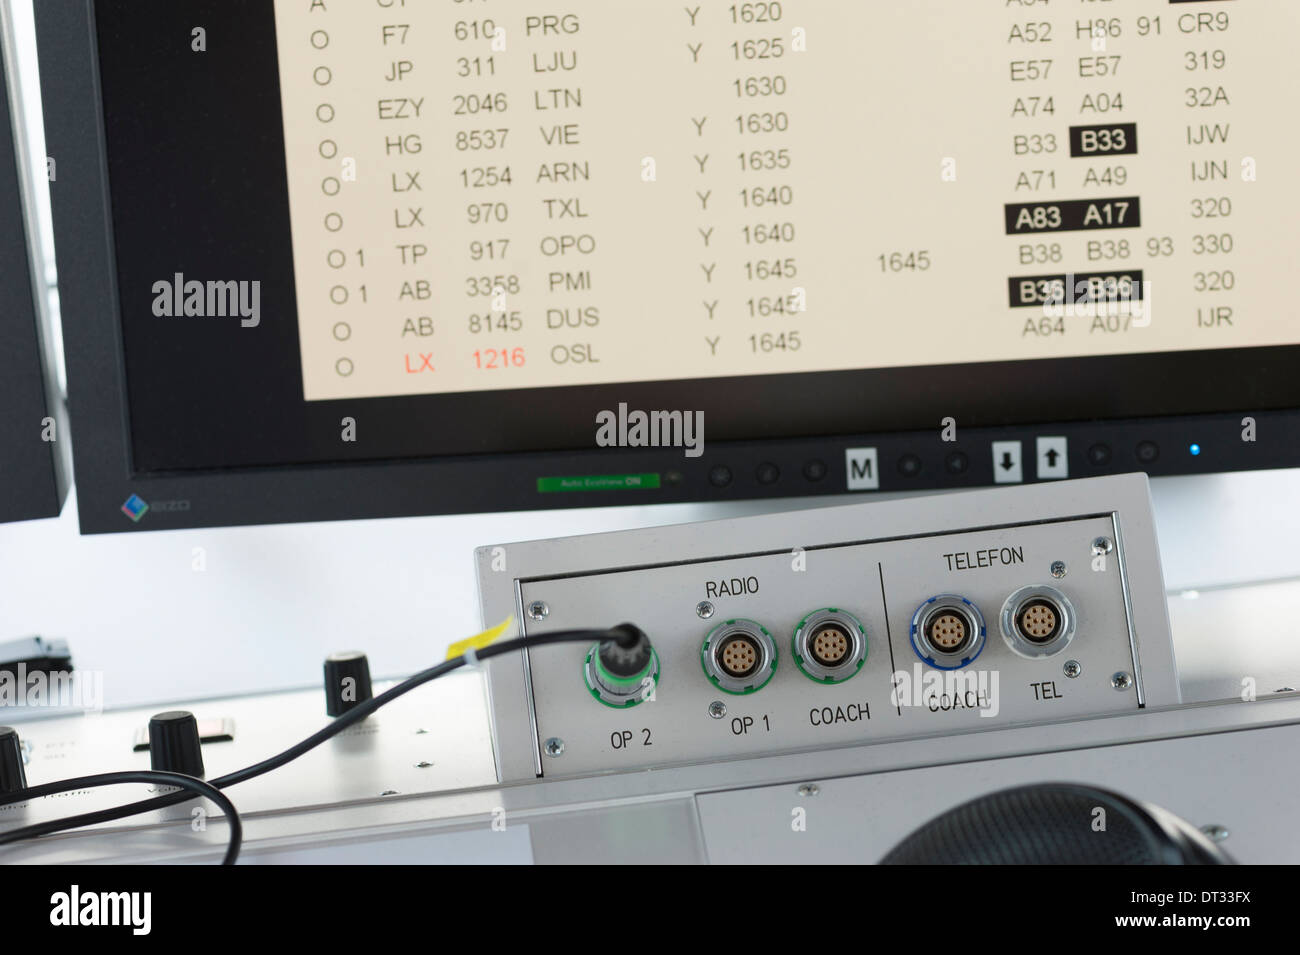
627	653
629	635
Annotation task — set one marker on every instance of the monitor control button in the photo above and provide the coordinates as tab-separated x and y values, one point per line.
1006	462
1053	459
861	469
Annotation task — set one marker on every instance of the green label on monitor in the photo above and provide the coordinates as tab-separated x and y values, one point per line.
598	482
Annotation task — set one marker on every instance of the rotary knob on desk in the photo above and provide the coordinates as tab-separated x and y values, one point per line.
347	681
12	775
174	743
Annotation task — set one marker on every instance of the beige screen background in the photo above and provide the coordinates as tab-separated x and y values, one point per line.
494	194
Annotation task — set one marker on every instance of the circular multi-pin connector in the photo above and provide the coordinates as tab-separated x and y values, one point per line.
948	632
739	656
829	645
622	676
1037	621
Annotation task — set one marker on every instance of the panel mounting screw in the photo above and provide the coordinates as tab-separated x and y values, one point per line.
1216	832
554	747
1072	668
1121	681
717	709
538	610
1102	545
1058	568
809	789
704	609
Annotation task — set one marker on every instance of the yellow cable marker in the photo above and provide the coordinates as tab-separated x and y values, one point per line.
481	640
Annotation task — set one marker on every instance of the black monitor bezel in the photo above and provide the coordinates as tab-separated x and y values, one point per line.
34	472
494	482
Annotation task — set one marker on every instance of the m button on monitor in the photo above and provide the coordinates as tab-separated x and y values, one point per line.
862	470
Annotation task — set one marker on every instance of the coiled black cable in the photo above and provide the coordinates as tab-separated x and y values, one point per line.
155	777
625	634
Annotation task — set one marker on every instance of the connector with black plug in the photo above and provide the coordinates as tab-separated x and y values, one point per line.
624	670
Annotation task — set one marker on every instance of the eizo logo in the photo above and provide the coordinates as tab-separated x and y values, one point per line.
133	909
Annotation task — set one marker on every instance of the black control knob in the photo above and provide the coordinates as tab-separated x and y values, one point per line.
174	743
13	777
347	681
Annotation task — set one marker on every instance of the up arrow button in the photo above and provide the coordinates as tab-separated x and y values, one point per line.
1053	461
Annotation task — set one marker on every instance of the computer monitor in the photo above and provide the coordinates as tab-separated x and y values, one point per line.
33	440
356	260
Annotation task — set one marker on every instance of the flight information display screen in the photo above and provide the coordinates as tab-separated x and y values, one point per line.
488	195
374	257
